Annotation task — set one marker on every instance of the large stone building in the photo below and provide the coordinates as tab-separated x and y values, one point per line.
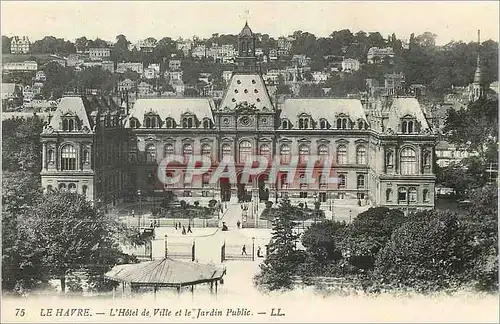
380	158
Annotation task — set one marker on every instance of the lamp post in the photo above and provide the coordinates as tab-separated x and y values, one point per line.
316	207
140	209
253	248
350	212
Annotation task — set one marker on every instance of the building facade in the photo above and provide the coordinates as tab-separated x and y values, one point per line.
20	45
381	159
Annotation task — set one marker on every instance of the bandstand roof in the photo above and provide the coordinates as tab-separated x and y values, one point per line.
165	272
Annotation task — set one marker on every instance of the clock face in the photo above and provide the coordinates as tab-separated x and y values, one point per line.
245	121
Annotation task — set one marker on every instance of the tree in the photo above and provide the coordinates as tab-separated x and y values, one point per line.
283	259
6	44
368	233
59	80
320	240
69	234
81	44
428	252
120	51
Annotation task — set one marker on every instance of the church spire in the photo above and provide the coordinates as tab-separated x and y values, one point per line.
478	74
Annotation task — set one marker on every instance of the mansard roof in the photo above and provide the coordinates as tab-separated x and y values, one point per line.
246	31
406	106
249	88
70	106
171	107
327	108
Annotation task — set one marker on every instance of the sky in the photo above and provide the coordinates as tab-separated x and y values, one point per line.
141	19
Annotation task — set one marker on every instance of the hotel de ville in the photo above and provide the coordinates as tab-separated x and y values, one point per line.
110	151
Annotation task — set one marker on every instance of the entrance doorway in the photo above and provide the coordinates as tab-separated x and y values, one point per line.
322	196
263	191
225	189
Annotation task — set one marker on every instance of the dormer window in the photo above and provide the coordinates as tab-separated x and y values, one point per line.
151	121
304	122
285	124
169	123
134	123
188	122
207	123
361	124
342	122
323	124
408	125
69	124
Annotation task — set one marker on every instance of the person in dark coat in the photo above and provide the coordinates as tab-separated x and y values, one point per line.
189	229
183	230
244	250
238	223
175	226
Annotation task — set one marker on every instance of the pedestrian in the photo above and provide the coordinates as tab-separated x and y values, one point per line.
238	223
189	229
183	230
175	223
259	252
244	250
224	227
180	225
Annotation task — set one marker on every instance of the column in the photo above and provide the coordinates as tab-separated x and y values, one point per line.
44	156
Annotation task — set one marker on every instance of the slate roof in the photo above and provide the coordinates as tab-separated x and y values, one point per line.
73	106
319	108
171	107
165	272
405	106
249	88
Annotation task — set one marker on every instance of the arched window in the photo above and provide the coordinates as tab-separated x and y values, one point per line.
49	188
187	151
341	154
206	150
342	181
408	161
389	159
72	187
402	195
207	124
168	149
361	181
245	151
285	124
388	195
265	151
151	122
361	155
84	190
304	122
68	158
303	153
426	195
169	123
187	122
226	150
410	127
62	187
151	153
65	124
285	153
134	123
412	194
361	124
323	124
68	124
322	151
342	123
404	127
50	156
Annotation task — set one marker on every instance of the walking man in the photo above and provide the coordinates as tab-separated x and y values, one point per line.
189	228
183	230
238	223
244	250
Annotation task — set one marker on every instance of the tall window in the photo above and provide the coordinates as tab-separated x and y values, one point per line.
187	151
62	187
303	153
49	188
427	158
361	124
151	121
389	159
322	151
86	156
72	187
285	124
342	123
408	161
68	124
283	180
206	150
151	153
402	195
168	149
342	181
265	150
388	195
407	126
169	123
245	151
207	124
68	158
205	180
341	154
226	150
285	153
304	122
361	155
84	190
134	123
188	122
412	194
426	195
361	181
323	124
